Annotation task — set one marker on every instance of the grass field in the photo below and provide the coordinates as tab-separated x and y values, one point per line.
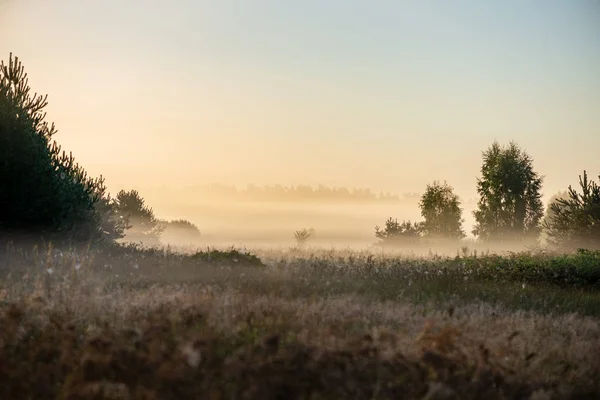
312	324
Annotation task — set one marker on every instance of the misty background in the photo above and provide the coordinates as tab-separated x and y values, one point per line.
168	97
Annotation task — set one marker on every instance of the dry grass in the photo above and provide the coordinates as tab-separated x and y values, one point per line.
179	332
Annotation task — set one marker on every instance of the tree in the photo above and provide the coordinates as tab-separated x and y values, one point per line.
113	224
405	232
510	205
574	220
143	225
549	214
42	189
303	235
440	207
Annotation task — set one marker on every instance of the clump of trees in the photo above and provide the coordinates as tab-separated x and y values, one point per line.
43	189
442	219
300	193
509	209
44	192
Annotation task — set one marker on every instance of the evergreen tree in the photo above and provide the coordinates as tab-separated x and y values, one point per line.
143	226
510	205
549	214
42	189
574	220
113	224
440	207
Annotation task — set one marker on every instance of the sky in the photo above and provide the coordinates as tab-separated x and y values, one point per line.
387	95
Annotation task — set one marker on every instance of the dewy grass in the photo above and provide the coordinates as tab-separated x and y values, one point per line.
141	324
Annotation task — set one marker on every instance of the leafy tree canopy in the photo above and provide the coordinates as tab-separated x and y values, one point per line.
510	205
440	207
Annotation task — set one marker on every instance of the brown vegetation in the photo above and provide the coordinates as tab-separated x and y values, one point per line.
81	332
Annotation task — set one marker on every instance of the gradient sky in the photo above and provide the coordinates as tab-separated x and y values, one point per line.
381	94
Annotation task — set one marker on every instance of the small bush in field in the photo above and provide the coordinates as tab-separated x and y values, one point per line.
179	231
303	236
230	257
405	232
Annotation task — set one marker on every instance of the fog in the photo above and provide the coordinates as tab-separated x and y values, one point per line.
272	224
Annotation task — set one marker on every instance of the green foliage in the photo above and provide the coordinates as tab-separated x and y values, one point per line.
510	206
44	191
580	270
440	207
574	220
549	215
405	232
143	225
229	257
112	223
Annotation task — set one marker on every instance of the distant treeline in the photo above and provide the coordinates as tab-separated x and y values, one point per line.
300	193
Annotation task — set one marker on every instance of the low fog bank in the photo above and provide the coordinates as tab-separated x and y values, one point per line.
341	226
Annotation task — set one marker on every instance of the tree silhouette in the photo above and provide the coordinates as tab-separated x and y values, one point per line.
43	190
574	220
440	207
510	205
303	235
143	225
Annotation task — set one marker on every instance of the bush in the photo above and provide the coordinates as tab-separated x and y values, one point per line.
179	231
229	257
399	233
303	236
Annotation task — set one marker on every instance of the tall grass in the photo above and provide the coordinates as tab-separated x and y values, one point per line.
155	323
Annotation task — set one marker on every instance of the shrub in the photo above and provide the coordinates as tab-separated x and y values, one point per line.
229	257
399	233
179	231
303	236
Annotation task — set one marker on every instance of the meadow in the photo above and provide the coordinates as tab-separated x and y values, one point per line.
132	323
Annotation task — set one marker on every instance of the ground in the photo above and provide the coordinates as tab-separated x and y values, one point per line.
310	324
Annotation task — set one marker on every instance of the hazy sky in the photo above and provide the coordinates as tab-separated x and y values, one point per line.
381	94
